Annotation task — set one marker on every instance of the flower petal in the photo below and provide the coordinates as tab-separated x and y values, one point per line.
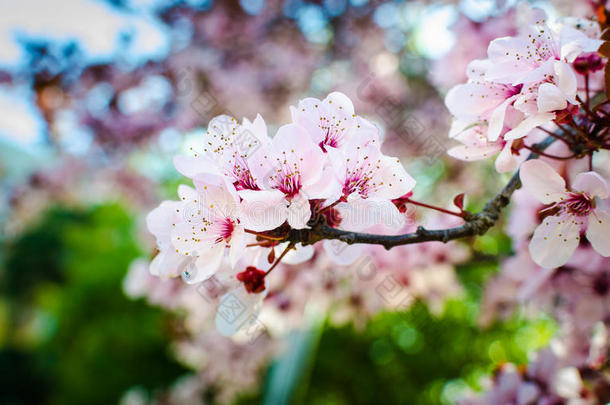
550	98
470	153
496	121
541	181
205	265
190	166
554	241
299	212
575	42
592	184
361	214
262	210
342	253
300	254
168	264
238	245
598	232
528	124
160	220
566	81
506	160
393	179
237	311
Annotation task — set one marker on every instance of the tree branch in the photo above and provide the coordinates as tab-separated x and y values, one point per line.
476	224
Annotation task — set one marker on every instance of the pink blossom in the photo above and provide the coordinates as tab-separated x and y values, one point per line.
210	224
570	212
526	82
328	122
227	146
290	172
167	263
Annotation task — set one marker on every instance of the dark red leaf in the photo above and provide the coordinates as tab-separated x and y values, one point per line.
459	201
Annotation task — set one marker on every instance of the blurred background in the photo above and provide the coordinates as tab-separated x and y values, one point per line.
95	99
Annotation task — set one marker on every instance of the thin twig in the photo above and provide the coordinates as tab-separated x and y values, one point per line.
541	153
433	207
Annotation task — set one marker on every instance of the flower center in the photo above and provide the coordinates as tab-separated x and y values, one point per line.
334	133
357	181
579	204
290	184
225	230
243	177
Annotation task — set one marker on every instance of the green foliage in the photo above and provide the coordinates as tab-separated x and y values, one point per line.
74	337
416	357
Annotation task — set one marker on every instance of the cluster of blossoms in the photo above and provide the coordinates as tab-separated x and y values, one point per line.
251	190
529	81
535	84
577	295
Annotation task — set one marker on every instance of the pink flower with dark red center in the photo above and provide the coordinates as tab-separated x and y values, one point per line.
209	225
366	173
369	181
328	122
289	172
570	213
227	147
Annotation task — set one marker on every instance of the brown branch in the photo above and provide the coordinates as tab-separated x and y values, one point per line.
476	224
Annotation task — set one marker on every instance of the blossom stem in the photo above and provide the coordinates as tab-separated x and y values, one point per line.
264	236
277	261
587	97
323	210
556	136
541	153
585	104
434	207
265	244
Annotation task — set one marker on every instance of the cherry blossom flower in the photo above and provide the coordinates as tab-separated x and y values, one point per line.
476	146
210	224
546	380
289	172
227	148
570	213
328	122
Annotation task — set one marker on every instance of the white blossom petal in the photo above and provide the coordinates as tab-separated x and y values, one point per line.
554	241
541	181
592	184
550	98
528	124
598	232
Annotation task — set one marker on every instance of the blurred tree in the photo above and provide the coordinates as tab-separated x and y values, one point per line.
415	357
74	337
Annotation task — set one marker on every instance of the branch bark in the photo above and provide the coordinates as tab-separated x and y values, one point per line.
477	224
